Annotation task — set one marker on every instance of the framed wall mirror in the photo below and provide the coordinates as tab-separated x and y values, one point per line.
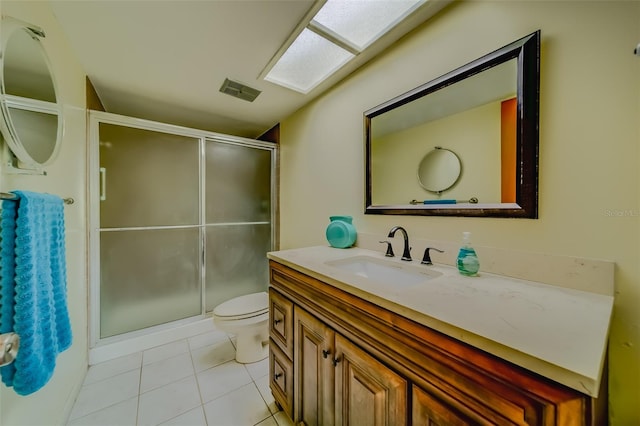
487	113
31	121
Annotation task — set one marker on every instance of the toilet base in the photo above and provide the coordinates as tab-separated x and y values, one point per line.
251	346
252	340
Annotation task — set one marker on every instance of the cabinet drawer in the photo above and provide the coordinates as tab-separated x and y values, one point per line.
281	378
281	322
428	410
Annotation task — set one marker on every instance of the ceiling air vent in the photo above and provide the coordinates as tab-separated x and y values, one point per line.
239	90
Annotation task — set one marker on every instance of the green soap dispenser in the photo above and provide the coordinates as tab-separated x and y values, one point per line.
468	263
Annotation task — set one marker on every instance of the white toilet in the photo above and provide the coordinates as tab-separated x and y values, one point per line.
246	317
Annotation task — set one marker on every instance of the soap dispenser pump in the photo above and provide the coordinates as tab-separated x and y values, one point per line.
468	263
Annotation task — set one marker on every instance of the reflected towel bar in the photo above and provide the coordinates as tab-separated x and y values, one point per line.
472	200
9	196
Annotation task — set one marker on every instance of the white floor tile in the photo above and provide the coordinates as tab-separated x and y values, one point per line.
165	351
221	380
169	401
241	407
108	369
265	391
166	371
212	355
258	369
194	417
207	339
96	396
121	414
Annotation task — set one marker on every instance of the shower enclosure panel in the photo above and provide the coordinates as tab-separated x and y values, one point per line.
238	227
150	241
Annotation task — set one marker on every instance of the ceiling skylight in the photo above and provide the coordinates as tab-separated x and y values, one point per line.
309	60
362	22
339	31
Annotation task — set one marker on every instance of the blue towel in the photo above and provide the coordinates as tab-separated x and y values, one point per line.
33	287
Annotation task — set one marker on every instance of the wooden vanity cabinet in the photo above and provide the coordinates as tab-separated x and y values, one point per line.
354	362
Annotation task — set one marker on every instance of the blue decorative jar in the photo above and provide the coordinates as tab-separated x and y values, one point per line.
341	233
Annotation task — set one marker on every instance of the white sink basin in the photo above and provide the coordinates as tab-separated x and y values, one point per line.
384	271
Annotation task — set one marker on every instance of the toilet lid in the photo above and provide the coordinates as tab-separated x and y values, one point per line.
250	304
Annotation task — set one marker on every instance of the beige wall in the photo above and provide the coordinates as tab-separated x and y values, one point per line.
589	139
66	178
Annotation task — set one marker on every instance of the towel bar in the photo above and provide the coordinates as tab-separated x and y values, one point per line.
9	345
9	196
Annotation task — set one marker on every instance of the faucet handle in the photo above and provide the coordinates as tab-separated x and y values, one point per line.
389	252
407	254
426	259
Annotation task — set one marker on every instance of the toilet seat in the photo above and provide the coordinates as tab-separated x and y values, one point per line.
242	307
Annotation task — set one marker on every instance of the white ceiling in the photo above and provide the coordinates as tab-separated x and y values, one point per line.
166	60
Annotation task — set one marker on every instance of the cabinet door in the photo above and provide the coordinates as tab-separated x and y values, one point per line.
313	379
367	392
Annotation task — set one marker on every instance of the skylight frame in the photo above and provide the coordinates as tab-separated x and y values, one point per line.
342	41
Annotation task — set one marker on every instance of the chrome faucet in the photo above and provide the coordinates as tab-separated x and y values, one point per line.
406	255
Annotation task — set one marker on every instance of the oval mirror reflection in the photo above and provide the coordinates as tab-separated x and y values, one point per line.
31	121
25	70
439	170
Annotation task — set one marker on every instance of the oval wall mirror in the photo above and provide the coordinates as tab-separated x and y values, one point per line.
31	121
439	170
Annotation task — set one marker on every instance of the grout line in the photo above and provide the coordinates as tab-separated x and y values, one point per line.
84	382
195	373
75	419
139	387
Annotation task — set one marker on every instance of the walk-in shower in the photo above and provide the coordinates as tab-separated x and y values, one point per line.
181	221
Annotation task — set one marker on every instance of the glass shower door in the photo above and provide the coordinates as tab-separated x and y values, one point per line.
150	233
238	220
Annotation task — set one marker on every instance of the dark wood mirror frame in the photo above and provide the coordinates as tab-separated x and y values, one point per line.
527	53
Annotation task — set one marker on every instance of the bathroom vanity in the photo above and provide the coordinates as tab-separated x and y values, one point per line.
432	347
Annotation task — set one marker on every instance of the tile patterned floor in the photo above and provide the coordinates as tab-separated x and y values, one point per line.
194	381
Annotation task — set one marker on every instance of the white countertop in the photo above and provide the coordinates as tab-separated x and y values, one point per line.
557	332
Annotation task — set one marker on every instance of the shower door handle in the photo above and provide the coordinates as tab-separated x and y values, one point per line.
103	183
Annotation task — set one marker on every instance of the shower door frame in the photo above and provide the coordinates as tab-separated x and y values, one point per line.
93	197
